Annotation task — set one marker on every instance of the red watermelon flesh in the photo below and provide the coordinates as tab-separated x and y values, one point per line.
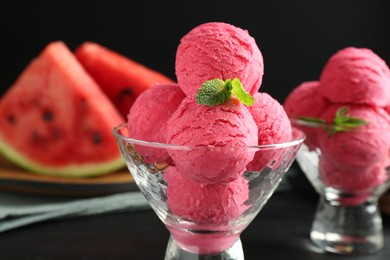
55	120
121	78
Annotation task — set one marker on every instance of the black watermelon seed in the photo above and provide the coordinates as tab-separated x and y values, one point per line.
96	138
48	116
126	92
11	119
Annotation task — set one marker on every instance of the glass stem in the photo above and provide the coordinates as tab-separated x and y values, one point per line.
174	252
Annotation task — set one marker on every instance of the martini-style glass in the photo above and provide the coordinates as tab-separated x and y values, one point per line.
205	216
347	219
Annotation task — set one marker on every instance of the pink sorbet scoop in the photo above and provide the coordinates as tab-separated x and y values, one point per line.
305	101
221	133
211	207
148	117
364	146
356	76
273	127
218	50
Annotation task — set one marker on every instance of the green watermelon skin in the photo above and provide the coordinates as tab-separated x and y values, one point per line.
55	120
121	78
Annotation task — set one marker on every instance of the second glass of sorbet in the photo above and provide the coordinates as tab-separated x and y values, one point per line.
349	170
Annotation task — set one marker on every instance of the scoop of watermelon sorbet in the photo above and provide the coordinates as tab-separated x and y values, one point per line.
357	76
148	117
273	127
362	147
205	204
305	101
210	207
222	131
218	50
351	179
150	112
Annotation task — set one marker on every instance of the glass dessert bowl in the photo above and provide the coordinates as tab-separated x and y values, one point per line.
206	196
349	171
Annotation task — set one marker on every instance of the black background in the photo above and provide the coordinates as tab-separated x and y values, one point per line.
296	37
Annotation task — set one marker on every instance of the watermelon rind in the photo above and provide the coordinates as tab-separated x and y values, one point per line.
71	170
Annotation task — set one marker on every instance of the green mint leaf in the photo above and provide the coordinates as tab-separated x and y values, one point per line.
311	119
357	121
342	122
240	92
214	92
341	116
341	112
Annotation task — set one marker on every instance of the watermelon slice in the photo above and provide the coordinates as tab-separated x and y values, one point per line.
121	78
55	120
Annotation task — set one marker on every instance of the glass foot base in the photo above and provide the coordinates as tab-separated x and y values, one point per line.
346	245
174	252
349	230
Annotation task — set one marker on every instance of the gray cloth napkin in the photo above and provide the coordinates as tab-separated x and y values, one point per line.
17	210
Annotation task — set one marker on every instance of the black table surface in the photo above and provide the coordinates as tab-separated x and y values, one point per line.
280	231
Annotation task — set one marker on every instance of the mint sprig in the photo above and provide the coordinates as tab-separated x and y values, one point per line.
239	91
216	91
342	122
